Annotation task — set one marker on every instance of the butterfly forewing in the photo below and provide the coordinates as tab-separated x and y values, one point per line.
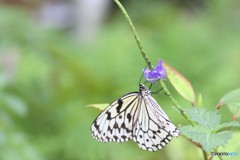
115	123
135	116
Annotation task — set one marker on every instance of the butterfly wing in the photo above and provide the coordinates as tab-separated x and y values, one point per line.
153	129
162	117
115	123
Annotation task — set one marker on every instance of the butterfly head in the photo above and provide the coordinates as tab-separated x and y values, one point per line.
144	90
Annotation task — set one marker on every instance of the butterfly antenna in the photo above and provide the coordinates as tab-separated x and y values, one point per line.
143	73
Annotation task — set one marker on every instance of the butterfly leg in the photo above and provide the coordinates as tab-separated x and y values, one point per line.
158	92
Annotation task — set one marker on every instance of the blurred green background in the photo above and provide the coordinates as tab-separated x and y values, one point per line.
48	75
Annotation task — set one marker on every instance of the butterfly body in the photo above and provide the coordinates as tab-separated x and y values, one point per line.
135	116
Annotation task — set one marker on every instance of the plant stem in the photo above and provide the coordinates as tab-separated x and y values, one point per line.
216	151
140	46
205	155
175	103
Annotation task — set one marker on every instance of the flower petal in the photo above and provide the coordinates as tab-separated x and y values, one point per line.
157	73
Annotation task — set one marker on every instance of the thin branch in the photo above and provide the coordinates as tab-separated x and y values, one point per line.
175	103
205	155
195	143
140	46
216	151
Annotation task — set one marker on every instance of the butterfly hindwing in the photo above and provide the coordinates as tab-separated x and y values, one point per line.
115	123
162	117
151	132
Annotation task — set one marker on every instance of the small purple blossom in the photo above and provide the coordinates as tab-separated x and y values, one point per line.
157	73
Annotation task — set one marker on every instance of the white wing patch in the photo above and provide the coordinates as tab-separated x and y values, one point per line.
135	116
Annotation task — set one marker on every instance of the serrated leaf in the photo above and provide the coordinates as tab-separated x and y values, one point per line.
204	136
204	118
226	125
101	106
189	130
205	132
180	83
234	147
232	100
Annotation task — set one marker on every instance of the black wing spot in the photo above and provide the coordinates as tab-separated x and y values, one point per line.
115	137
123	137
108	115
128	130
96	126
120	102
115	125
140	136
120	116
129	117
123	125
147	140
110	130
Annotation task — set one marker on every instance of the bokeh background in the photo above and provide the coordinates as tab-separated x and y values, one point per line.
57	56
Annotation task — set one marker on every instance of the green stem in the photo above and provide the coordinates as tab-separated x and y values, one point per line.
140	46
204	155
216	151
176	104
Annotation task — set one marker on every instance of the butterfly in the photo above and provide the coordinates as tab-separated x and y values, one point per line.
135	116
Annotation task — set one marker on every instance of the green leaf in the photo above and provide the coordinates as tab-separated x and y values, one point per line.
232	100
226	125
233	96
234	147
204	136
180	83
204	118
205	132
101	106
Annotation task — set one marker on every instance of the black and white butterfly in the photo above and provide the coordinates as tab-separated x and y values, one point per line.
135	116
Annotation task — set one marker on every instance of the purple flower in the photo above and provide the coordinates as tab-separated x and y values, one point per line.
157	73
